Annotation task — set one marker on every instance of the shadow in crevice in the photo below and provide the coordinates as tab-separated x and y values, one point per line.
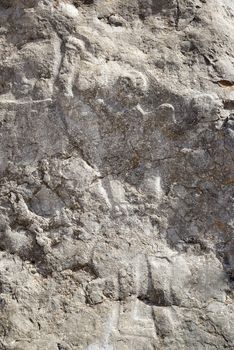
160	5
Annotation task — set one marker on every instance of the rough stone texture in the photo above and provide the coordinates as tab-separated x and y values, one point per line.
116	174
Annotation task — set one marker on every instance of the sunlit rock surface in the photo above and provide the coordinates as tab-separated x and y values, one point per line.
116	174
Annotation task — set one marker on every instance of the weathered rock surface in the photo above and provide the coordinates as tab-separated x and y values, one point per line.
116	174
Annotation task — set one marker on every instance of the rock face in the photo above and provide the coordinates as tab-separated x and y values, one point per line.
116	174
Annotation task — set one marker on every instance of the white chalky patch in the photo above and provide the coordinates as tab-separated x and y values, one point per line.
117	190
99	347
102	193
69	10
152	185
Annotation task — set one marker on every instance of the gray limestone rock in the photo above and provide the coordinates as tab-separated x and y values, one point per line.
116	174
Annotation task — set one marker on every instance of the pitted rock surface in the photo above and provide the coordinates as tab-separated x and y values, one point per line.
116	174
